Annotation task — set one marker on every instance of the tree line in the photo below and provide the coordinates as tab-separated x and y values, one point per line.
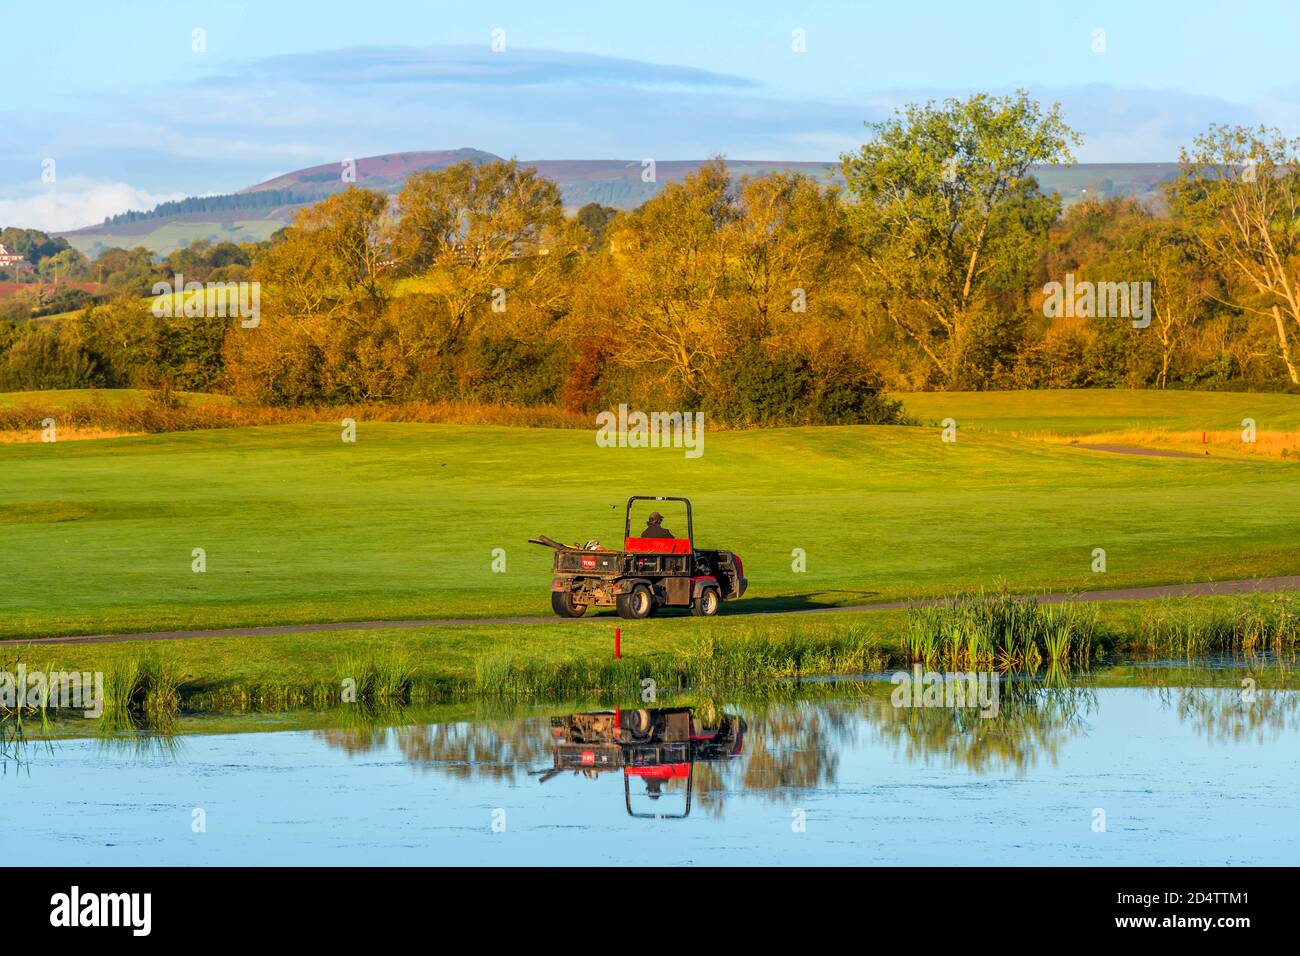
762	300
228	202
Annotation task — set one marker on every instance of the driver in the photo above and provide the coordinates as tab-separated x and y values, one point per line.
654	527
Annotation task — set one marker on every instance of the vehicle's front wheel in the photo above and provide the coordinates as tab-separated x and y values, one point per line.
706	605
636	604
563	603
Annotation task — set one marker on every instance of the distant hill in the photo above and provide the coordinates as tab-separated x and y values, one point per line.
256	212
611	182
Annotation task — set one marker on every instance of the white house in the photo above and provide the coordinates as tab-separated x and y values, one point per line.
12	260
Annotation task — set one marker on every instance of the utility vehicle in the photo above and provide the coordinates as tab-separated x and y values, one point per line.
645	575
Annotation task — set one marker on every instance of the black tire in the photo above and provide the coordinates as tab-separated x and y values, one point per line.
563	604
707	604
640	724
636	604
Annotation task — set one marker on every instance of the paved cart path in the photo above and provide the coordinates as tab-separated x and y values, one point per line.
1250	586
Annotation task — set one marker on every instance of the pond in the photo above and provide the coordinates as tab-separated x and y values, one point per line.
1148	765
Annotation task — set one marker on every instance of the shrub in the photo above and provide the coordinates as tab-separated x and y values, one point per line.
786	389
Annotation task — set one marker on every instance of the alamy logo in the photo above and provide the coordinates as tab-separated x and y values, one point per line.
211	300
1098	300
103	909
952	691
36	690
653	430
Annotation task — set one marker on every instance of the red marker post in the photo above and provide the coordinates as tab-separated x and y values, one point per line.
618	644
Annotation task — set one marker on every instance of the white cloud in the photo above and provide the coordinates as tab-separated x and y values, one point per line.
261	118
74	203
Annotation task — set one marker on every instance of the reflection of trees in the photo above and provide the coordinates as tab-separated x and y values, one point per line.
1226	715
496	750
789	746
793	745
1034	719
796	746
356	740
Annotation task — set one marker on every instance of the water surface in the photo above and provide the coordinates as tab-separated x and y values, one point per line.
1183	775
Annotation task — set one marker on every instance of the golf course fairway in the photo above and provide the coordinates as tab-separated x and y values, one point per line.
295	525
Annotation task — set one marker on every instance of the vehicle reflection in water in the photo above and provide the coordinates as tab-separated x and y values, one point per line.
659	746
1196	765
793	744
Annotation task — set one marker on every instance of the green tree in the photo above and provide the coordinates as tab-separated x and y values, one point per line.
595	219
948	214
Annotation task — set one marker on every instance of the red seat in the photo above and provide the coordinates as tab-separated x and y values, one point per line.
658	545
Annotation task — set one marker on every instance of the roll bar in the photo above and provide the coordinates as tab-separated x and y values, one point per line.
627	518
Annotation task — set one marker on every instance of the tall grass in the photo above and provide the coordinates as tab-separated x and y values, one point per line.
377	680
710	663
999	630
141	694
160	416
1242	625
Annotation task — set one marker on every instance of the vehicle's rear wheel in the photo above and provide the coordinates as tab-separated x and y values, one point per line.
639	723
636	604
563	603
706	605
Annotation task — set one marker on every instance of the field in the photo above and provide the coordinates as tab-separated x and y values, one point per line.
1071	414
298	526
165	235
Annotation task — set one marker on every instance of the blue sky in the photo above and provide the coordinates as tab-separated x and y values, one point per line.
117	95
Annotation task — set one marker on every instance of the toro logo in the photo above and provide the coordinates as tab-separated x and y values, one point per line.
588	562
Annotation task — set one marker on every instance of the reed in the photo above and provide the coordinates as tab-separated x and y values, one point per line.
141	694
710	663
1243	625
380	680
999	630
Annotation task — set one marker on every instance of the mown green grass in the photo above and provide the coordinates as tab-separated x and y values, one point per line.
1092	411
299	526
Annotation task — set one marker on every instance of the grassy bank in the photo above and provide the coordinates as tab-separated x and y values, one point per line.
720	656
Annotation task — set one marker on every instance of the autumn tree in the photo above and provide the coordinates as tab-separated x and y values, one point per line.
789	248
1181	288
480	234
1238	190
335	257
671	255
324	287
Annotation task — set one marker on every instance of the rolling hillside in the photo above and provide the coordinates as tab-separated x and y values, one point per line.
247	216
